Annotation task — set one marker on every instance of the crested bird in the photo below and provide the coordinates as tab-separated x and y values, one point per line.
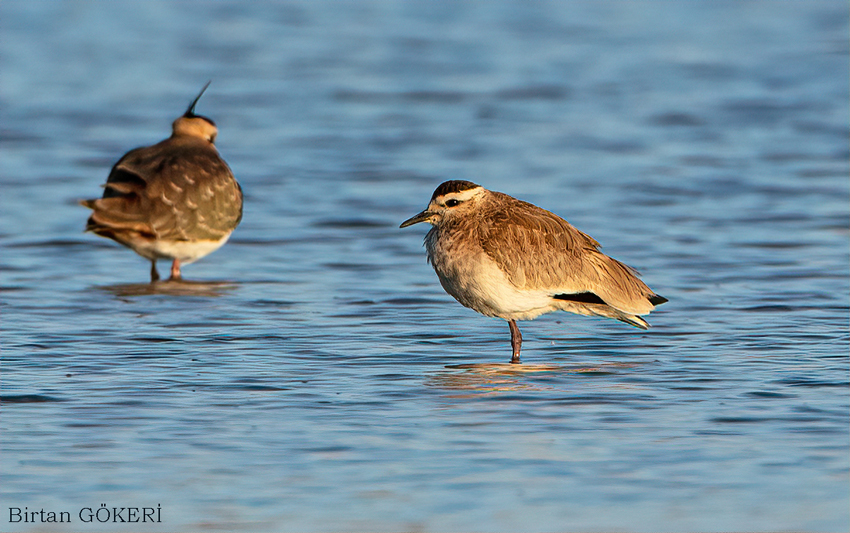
510	259
176	199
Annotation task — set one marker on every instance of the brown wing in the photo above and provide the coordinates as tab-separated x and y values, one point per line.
179	189
121	210
540	250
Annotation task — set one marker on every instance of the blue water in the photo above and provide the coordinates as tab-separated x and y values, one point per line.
317	378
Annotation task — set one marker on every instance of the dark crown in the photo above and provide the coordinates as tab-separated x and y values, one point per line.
453	186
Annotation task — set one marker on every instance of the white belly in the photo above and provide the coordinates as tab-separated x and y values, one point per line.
478	283
186	251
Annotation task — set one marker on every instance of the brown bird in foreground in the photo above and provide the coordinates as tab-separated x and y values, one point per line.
174	200
510	259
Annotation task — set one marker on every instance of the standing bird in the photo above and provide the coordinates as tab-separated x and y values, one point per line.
510	259
174	200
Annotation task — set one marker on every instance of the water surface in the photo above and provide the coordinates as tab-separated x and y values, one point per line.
313	376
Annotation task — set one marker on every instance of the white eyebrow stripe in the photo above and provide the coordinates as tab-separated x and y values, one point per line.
461	196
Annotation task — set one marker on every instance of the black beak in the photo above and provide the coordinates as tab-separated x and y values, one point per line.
191	111
416	219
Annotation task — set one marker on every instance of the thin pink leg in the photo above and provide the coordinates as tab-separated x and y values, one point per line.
175	269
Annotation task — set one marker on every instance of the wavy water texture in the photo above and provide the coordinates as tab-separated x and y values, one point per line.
312	375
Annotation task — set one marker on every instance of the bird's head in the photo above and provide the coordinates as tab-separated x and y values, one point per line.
451	199
193	125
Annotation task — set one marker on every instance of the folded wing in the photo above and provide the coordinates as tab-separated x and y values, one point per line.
539	250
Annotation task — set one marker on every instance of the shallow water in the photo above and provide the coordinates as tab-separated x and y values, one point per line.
313	376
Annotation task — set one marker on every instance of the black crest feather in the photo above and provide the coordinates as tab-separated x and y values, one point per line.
190	113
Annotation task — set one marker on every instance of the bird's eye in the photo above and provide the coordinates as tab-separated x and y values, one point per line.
452	203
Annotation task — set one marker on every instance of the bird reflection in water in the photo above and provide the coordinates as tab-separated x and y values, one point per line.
491	378
178	287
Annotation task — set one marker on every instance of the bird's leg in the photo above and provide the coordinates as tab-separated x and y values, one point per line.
154	273
175	270
516	341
